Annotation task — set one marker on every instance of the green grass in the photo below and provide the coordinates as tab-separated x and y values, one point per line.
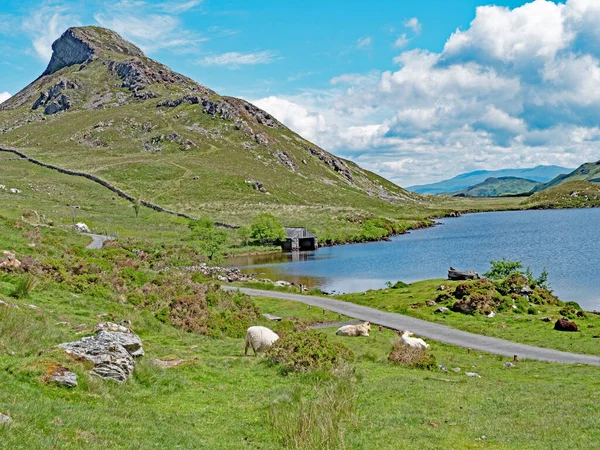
517	327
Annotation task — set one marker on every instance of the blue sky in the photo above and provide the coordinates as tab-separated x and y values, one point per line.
417	91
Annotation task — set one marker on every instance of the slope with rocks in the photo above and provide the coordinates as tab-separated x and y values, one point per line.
103	107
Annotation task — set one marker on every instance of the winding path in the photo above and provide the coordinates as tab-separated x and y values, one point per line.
97	241
430	330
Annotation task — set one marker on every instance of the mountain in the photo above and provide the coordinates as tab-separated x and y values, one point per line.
102	107
586	172
498	187
540	174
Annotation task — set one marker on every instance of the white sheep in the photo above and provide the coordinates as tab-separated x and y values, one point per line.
354	330
413	342
260	339
82	227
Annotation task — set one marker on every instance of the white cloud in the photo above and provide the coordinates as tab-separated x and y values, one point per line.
144	26
236	59
364	42
179	7
401	41
4	96
46	24
517	88
414	24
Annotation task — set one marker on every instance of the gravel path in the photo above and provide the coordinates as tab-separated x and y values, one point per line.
430	330
97	241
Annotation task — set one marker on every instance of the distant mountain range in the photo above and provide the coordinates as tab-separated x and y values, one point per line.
498	187
541	174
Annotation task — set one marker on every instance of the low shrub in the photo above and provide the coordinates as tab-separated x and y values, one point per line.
307	350
513	283
571	310
25	285
397	285
532	310
409	356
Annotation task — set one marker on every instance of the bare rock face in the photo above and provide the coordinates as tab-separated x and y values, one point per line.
64	377
80	45
8	260
112	352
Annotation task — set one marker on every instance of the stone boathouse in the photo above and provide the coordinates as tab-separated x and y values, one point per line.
300	239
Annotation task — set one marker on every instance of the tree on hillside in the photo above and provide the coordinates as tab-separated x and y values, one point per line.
503	268
266	229
210	239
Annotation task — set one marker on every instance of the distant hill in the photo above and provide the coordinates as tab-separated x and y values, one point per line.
541	174
571	194
498	187
586	172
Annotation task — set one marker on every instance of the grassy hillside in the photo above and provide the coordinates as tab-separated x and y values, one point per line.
498	187
586	172
570	194
216	398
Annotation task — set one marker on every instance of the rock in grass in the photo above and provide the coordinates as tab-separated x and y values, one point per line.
565	325
442	310
64	377
509	365
4	419
472	375
112	353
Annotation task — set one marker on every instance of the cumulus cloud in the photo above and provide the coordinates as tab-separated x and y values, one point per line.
236	59
4	96
401	41
517	88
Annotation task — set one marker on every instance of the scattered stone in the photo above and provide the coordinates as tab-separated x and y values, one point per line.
459	275
491	315
4	419
442	309
64	377
15	191
546	319
456	369
169	363
472	375
443	287
62	324
563	324
81	327
112	353
226	274
442	368
9	260
282	283
482	438
430	303
509	365
272	317
109	326
256	185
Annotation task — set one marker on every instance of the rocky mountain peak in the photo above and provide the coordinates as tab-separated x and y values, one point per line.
81	44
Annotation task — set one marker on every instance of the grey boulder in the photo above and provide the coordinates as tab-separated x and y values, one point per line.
4	419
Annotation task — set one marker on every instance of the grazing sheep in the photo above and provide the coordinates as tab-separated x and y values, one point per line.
260	339
413	342
82	227
355	330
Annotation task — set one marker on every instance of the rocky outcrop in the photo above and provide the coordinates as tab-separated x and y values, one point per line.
256	185
81	45
63	377
459	275
334	163
229	274
54	100
111	352
565	325
9	261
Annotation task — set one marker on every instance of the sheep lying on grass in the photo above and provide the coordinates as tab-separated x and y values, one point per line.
413	341
355	330
260	339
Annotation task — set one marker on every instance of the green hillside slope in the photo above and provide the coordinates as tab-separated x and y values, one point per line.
586	172
571	194
104	108
497	187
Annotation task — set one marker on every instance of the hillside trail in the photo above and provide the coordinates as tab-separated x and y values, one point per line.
430	330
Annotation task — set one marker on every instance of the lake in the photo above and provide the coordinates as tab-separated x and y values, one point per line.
565	242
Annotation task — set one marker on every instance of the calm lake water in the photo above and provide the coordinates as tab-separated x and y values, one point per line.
565	242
